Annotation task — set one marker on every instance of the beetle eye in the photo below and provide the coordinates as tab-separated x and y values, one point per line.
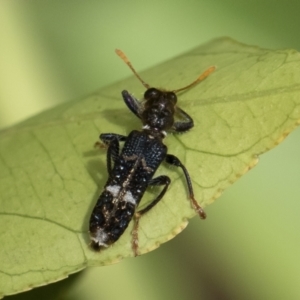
151	93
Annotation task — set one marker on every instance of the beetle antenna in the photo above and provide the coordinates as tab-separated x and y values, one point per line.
128	63
200	78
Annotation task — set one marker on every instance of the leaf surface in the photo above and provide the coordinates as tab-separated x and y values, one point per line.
51	176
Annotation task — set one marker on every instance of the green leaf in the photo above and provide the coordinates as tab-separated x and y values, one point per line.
51	175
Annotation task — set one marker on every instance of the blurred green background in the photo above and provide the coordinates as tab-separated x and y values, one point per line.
248	248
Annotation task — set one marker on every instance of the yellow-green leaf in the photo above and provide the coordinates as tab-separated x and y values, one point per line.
51	176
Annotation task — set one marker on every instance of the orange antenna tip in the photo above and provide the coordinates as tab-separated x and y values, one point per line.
200	78
122	55
206	73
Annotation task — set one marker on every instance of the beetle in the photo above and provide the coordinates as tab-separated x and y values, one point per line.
131	171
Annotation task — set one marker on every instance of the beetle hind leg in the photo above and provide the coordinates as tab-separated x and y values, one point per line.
160	180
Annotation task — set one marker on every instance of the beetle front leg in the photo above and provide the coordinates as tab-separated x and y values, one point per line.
132	103
182	126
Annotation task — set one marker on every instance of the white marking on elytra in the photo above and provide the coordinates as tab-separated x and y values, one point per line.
100	237
128	197
113	189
